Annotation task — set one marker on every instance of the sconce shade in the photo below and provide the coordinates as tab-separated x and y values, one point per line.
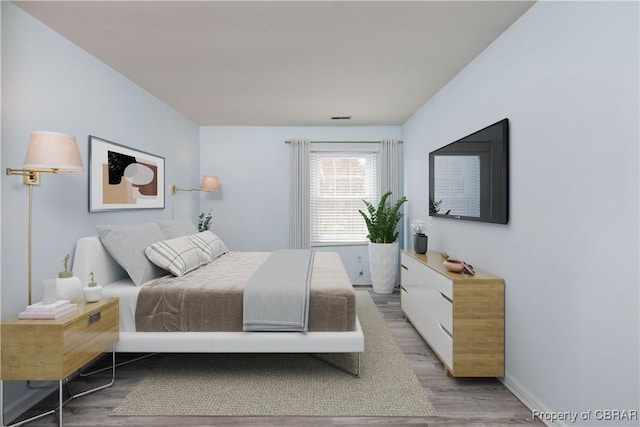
52	150
209	183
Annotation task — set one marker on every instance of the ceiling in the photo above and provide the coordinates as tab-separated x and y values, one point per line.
284	62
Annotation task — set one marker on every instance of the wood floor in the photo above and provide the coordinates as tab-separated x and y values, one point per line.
459	402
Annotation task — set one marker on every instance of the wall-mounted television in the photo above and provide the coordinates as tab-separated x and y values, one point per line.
469	178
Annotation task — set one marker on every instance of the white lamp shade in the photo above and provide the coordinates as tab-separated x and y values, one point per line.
209	183
52	150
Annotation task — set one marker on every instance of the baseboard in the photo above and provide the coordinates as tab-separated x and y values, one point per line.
528	399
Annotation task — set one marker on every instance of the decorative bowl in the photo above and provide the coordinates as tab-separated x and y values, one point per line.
457	266
453	265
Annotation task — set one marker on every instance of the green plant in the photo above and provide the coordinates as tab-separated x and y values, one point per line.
204	221
382	221
434	207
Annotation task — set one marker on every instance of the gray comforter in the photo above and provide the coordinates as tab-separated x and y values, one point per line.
276	297
209	299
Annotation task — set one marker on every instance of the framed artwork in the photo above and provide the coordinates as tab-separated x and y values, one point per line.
123	178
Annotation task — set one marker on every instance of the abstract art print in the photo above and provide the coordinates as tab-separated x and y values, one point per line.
123	178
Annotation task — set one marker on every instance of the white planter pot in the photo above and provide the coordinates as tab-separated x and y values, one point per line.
383	262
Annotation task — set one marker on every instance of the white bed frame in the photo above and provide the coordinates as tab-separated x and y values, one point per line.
90	256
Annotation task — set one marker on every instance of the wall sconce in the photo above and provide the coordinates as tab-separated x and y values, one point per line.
208	184
47	152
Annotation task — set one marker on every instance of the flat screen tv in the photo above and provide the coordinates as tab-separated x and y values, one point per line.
469	178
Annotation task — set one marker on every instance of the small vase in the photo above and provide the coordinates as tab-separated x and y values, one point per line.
420	242
92	293
69	288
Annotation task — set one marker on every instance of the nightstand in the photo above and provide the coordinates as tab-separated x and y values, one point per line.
42	350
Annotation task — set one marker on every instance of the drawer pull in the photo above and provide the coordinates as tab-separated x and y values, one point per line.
95	317
446	297
445	330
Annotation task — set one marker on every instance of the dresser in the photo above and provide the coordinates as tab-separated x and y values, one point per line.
460	316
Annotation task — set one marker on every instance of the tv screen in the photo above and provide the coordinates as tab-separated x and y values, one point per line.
469	178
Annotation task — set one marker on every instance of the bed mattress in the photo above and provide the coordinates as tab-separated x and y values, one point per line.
209	299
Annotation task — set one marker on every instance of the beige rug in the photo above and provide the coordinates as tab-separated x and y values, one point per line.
284	384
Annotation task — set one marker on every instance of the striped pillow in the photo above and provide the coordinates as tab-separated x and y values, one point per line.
179	256
210	245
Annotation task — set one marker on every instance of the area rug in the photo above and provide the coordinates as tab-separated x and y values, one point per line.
285	384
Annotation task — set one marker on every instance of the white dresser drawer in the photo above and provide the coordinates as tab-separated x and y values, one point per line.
410	272
439	281
439	340
410	306
414	273
427	326
438	305
426	288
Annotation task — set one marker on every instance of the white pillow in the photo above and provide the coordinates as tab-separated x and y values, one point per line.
179	256
209	244
126	244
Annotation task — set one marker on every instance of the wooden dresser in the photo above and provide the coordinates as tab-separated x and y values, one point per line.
460	316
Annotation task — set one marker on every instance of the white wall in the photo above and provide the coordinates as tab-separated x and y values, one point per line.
50	84
251	210
566	75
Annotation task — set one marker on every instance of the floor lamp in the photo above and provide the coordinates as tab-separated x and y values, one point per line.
48	152
208	184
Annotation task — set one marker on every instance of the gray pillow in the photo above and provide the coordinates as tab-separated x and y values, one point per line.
126	244
173	228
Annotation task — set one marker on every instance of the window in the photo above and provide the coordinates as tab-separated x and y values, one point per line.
457	181
339	183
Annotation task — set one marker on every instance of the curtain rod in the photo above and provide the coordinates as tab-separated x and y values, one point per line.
343	142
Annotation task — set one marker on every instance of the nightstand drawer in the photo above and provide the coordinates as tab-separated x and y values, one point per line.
54	349
89	336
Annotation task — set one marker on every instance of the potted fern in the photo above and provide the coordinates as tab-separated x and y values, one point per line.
382	222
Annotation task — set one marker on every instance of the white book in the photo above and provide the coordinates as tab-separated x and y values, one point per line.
53	307
35	314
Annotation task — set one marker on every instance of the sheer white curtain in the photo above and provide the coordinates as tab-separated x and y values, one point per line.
389	169
390	181
299	176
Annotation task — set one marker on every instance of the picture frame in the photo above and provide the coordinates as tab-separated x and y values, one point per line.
122	177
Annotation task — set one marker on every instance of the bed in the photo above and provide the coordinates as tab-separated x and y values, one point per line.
91	256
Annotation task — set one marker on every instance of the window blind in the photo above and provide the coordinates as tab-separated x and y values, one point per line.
457	183
339	183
